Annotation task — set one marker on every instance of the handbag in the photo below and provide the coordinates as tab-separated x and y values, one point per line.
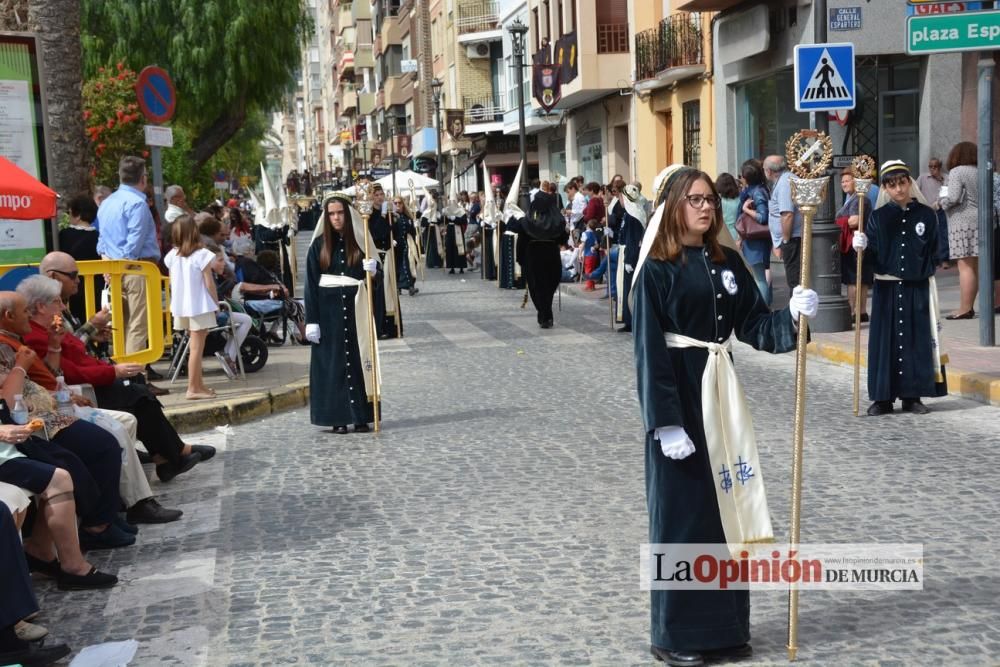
749	229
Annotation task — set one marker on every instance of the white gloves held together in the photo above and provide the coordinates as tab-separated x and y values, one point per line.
859	241
803	302
674	442
312	333
369	265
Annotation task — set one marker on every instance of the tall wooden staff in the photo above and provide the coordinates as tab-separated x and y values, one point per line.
863	168
809	153
365	207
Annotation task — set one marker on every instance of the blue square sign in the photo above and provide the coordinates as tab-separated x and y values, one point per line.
824	77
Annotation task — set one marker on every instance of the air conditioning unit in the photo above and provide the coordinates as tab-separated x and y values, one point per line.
480	50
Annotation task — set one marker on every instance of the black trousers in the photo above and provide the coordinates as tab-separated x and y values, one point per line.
791	257
18	599
155	430
543	270
100	452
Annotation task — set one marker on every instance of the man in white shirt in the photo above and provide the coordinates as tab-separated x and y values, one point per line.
577	204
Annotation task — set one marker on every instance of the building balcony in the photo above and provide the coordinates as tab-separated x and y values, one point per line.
366	103
345	65
392	31
398	90
478	20
349	103
670	52
364	56
344	19
361	10
483	114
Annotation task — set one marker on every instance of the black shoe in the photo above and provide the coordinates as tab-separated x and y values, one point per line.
963	316
864	317
125	525
156	391
547	324
151	373
915	406
452	272
144	457
677	658
150	511
879	408
204	451
93	580
339	430
625	330
730	653
35	655
48	568
167	471
361	428
462	271
111	537
414	291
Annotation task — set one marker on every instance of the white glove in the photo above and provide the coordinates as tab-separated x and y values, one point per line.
803	302
610	233
859	241
674	442
369	265
312	333
629	268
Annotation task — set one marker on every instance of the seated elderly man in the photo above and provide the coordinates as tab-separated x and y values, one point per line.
54	546
118	386
95	447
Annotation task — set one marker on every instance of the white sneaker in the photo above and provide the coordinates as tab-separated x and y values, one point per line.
225	365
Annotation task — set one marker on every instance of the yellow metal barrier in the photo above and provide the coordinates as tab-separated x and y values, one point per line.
158	322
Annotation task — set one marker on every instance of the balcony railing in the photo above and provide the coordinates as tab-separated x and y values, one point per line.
612	37
482	109
477	16
676	42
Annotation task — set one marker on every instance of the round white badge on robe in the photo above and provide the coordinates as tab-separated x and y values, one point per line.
729	282
920	228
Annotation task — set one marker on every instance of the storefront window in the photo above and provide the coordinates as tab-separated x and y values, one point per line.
770	117
591	156
557	161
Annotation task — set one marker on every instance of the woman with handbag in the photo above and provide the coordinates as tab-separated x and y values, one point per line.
751	225
848	220
960	201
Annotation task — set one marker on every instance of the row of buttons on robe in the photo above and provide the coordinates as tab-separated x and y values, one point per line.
347	341
718	296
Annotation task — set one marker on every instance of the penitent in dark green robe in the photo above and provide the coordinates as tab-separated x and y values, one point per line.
707	301
336	385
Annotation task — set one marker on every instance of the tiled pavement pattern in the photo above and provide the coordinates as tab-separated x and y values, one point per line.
498	517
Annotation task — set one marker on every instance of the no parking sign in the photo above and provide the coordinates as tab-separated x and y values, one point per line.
156	95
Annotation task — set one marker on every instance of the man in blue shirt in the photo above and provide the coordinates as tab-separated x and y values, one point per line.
784	218
127	231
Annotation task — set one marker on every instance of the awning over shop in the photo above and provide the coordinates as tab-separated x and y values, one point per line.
22	196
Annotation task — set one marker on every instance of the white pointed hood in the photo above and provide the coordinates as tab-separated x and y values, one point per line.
510	207
490	212
272	212
454	209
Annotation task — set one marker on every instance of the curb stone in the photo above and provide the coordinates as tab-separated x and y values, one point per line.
191	419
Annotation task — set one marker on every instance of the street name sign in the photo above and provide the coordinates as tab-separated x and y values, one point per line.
969	31
824	77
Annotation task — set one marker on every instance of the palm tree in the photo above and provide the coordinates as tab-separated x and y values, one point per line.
57	25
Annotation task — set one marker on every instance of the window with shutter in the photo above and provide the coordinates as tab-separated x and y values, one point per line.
612	26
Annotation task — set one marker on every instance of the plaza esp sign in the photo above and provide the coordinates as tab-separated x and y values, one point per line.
969	31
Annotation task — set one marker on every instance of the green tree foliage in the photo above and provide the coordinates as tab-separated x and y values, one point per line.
230	59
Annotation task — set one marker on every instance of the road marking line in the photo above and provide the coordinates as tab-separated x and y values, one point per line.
464	334
153	581
556	336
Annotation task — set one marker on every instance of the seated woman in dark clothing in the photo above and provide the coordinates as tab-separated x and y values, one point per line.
80	241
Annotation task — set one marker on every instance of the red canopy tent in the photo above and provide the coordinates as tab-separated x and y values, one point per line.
22	196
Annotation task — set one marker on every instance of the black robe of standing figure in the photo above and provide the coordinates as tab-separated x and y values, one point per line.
629	234
902	361
429	236
508	255
454	243
381	235
489	265
404	234
540	261
337	395
695	297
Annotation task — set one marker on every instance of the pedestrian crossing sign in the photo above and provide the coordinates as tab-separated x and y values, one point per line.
824	77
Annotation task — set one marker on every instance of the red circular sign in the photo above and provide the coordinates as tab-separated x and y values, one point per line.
155	92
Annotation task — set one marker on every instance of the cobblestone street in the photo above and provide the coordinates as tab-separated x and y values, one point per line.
497	519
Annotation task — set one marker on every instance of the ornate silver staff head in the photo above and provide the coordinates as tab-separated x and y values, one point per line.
809	153
364	197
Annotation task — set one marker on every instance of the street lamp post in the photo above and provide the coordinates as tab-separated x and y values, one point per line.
350	162
518	31
436	86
